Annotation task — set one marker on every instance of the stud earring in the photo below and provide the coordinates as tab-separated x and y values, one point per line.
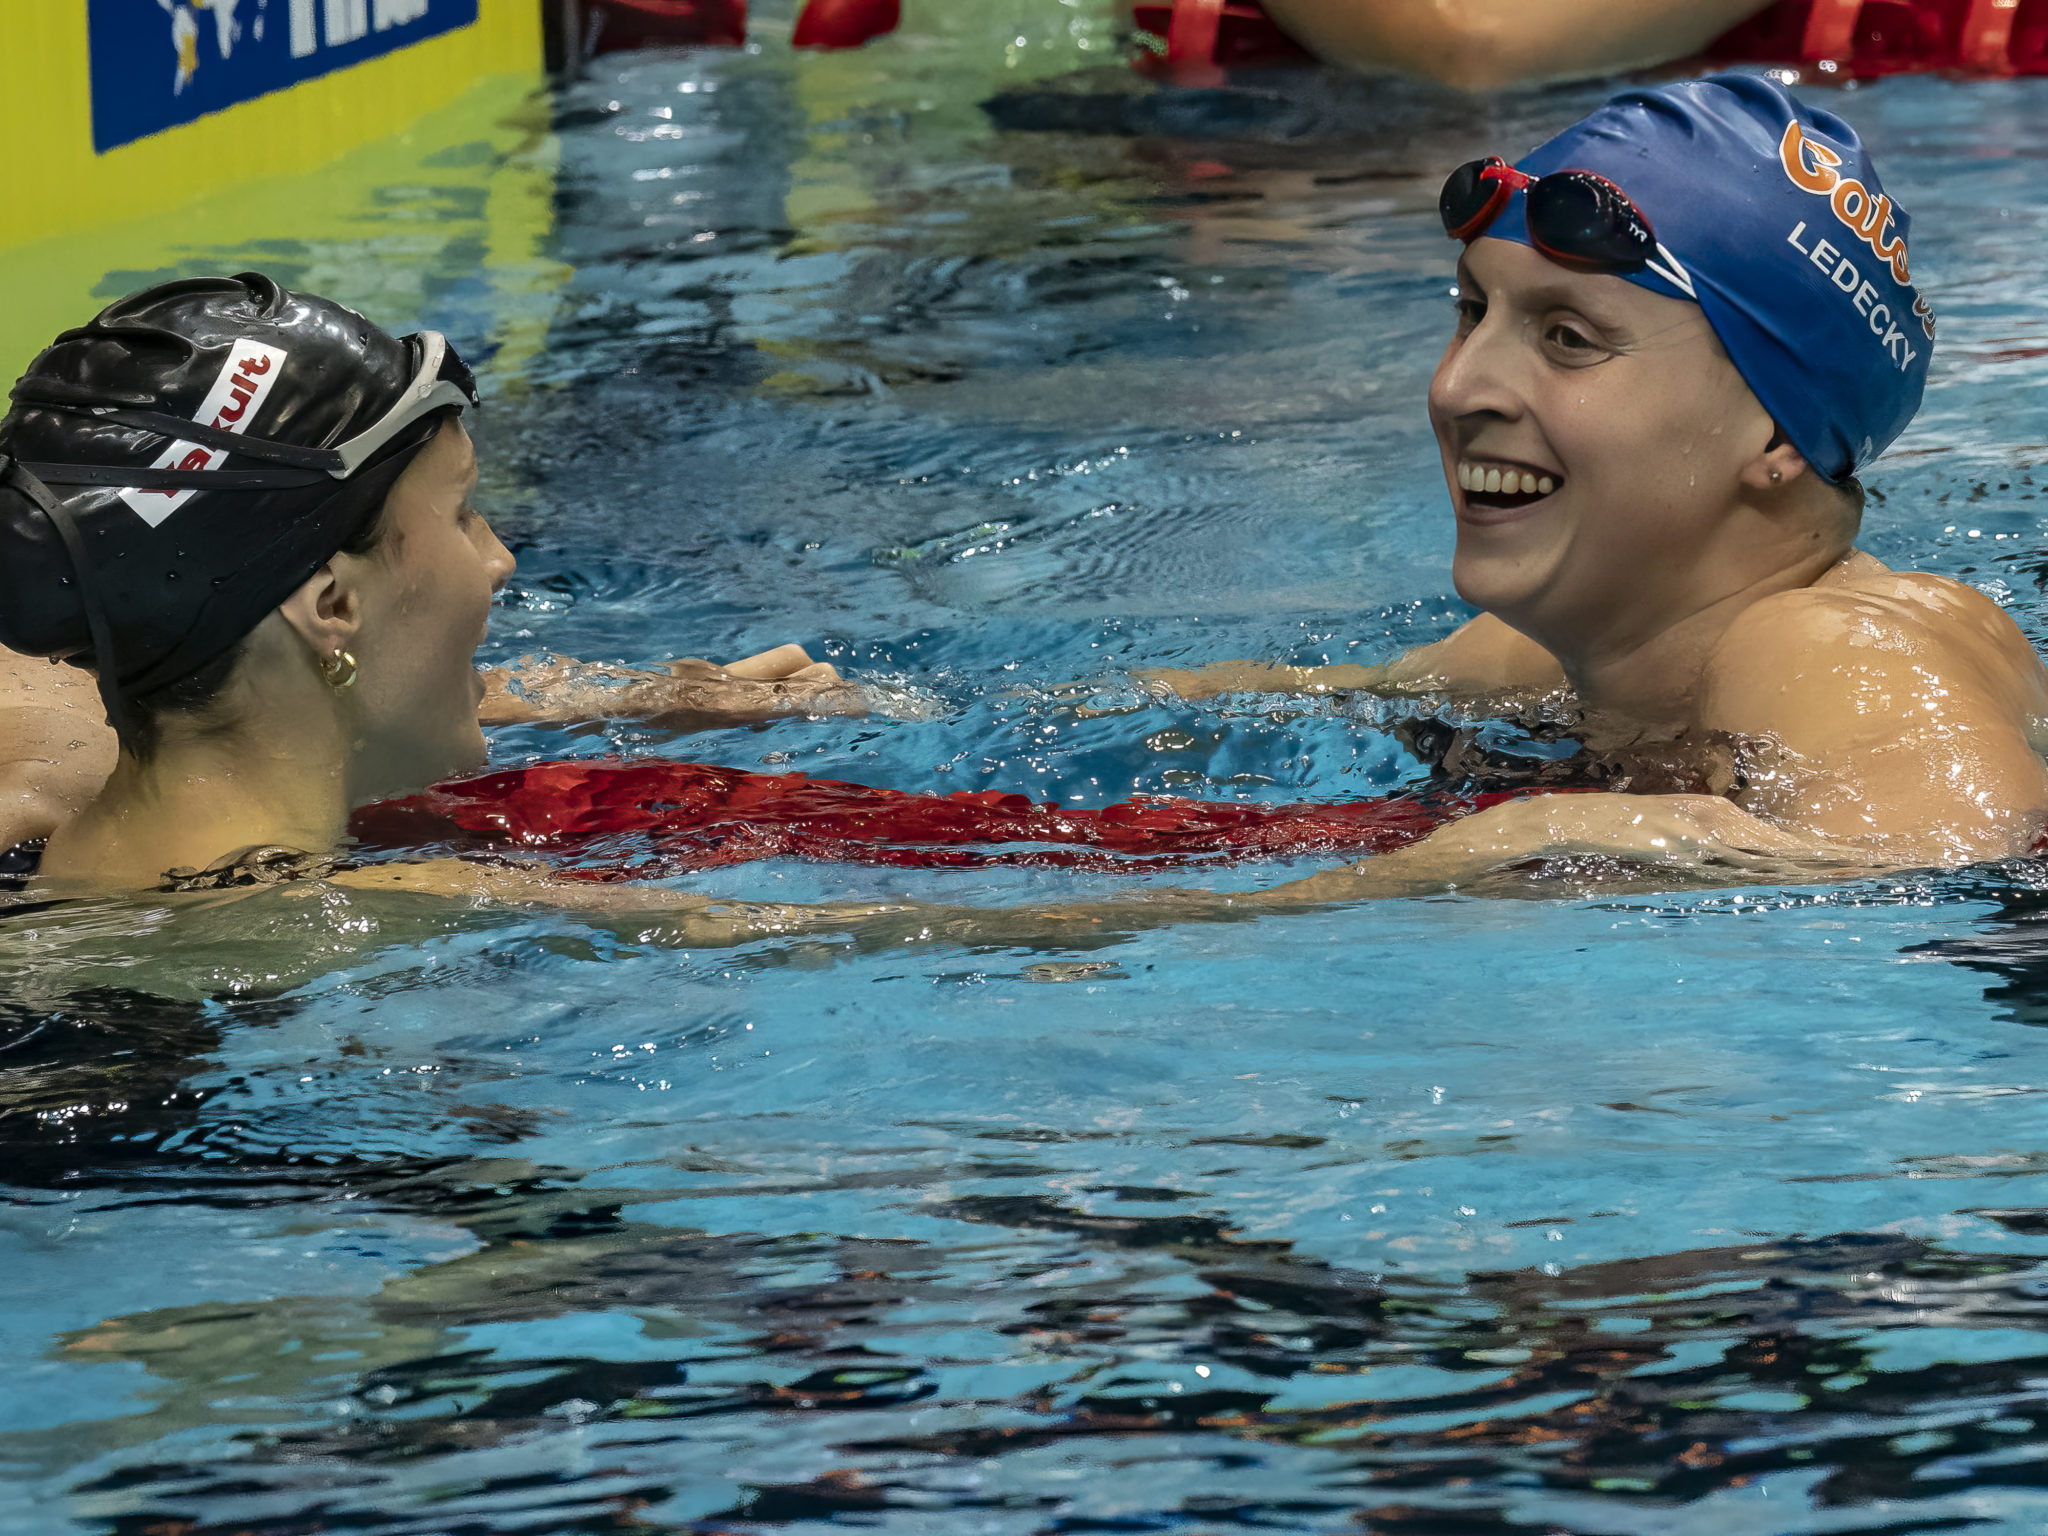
1776	476
339	670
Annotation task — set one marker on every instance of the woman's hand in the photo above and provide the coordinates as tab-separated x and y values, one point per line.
1483	665
784	664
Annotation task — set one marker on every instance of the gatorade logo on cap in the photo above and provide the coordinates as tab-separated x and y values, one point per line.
238	393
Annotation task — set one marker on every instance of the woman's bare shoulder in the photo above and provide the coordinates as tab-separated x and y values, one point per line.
1863	640
1948	608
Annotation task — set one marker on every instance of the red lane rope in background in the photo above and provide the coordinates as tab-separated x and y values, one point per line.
645	820
1199	38
1886	37
845	23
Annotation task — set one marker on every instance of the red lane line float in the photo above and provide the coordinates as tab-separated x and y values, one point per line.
1869	38
1195	40
1202	38
617	26
646	820
845	23
1864	38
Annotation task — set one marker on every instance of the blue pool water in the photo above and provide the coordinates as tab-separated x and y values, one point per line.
1707	1214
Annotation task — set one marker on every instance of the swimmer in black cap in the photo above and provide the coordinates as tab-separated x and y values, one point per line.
246	511
1684	326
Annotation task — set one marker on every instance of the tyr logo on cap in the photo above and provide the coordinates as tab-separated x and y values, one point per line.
238	393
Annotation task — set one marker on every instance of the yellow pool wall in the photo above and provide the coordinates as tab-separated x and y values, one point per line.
301	171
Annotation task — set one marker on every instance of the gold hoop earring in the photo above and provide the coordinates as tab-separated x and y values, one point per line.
339	670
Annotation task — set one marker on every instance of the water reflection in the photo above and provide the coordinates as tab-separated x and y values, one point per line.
768	1380
2011	944
97	1083
992	373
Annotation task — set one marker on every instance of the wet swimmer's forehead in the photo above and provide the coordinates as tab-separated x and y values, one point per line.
1732	194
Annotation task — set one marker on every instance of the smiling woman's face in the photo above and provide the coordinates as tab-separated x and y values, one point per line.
1593	436
426	590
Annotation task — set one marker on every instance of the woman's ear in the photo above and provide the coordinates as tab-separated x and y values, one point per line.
1777	466
326	610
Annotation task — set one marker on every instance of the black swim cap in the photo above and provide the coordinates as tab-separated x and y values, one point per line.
172	471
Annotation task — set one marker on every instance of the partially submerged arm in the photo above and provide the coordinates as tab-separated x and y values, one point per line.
1480	45
657	914
56	748
682	916
690	695
1543	844
1483	660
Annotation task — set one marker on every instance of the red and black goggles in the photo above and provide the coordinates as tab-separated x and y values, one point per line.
1579	220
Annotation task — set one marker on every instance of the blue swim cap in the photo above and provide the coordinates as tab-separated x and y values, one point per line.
1772	219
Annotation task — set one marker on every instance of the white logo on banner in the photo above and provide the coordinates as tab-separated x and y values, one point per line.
396	13
348	21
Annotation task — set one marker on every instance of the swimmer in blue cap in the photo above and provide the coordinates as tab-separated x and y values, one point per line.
1684	326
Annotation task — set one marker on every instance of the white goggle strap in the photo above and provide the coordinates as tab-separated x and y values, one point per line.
428	392
1668	267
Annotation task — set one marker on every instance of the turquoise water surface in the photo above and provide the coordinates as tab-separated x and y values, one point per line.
982	369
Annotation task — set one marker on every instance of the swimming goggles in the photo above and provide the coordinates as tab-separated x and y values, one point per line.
441	380
1581	221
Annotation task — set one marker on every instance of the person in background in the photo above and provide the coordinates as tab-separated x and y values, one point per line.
1480	45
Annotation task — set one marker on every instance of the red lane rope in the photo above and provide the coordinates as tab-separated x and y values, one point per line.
619	821
1884	37
1853	37
614	26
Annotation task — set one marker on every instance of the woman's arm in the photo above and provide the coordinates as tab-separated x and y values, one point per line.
56	748
1652	842
1483	661
50	769
1636	842
654	910
689	695
658	915
1481	45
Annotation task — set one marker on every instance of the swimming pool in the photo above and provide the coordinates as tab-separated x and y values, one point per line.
1715	1213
